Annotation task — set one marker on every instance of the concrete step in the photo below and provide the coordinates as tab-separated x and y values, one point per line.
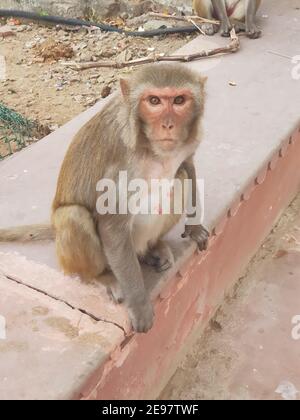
252	349
249	161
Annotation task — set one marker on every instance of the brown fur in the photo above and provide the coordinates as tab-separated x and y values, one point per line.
235	10
113	140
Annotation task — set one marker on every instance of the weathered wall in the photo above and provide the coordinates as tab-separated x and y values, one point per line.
85	7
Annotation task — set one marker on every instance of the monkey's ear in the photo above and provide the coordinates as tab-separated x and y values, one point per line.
125	88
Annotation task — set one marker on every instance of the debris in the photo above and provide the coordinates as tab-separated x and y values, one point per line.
91	101
232	83
13	21
23	28
281	253
232	47
155	24
6	31
53	50
105	91
287	390
53	94
31	44
86	57
216	326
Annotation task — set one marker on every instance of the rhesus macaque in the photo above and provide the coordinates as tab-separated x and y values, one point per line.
151	130
237	13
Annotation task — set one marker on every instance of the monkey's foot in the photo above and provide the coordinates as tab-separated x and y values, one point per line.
115	294
209	28
141	316
160	257
225	30
199	234
253	32
239	27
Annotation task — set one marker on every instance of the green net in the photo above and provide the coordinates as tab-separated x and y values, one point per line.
16	131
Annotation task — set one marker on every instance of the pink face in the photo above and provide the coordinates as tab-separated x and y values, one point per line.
166	114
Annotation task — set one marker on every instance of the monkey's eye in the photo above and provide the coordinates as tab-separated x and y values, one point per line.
179	100
154	100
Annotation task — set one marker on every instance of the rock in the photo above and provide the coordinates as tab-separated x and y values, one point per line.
152	25
31	44
6	31
23	28
80	46
142	7
53	50
105	91
78	98
91	102
108	53
106	8
85	57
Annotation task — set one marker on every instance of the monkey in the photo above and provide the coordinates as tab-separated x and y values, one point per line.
149	130
237	13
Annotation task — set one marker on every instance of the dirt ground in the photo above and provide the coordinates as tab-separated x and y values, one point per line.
206	368
40	87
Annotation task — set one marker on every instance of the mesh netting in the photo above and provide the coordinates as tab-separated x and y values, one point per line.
16	131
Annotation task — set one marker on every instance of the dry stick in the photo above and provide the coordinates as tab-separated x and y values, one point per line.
182	18
233	46
198	27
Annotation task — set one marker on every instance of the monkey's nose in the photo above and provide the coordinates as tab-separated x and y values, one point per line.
168	126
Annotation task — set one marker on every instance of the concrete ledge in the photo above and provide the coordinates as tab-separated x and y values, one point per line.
249	160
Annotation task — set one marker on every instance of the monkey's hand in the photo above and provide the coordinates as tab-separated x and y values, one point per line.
199	234
141	315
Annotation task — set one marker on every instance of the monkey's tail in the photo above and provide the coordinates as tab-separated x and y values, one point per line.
27	233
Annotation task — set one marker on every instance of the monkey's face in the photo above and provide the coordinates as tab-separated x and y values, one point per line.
166	115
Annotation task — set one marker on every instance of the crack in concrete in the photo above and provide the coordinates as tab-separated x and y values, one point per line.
83	311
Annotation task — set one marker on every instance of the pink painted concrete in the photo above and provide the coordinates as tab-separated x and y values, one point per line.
90	297
192	298
255	351
48	345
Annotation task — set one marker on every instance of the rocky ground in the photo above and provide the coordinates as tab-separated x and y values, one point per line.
41	87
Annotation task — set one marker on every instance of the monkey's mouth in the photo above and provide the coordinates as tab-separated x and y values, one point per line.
167	144
167	141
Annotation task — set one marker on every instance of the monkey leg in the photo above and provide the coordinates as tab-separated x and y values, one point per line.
78	245
204	9
252	30
239	26
220	9
115	293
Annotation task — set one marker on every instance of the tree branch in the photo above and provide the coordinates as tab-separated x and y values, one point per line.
232	47
183	18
